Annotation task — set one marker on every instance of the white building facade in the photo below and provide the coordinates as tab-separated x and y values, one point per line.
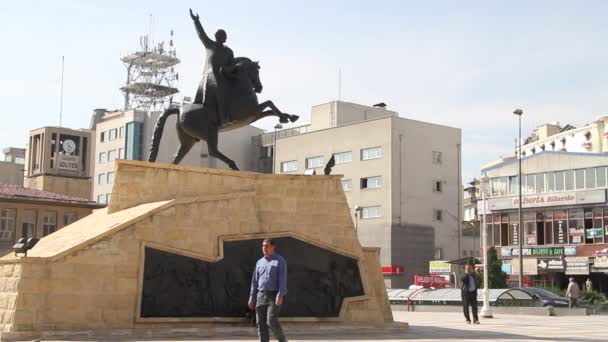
401	180
127	135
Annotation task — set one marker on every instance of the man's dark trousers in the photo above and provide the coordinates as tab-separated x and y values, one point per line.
469	298
267	315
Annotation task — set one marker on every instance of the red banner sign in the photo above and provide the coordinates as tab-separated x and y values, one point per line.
392	270
429	281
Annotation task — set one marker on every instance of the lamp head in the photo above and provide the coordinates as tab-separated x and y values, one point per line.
518	112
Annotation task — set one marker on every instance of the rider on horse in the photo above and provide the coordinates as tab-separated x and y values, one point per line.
219	69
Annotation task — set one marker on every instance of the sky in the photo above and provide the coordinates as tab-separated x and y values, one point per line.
465	64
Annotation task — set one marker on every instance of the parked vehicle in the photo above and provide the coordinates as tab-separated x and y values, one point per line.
546	298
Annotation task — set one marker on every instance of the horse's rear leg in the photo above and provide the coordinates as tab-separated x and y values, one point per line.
212	142
185	144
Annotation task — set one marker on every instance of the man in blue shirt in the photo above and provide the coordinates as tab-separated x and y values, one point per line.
469	294
268	287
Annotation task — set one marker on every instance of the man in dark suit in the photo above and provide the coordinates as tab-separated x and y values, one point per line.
469	293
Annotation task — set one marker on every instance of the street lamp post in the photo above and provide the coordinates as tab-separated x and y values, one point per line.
486	311
274	147
520	225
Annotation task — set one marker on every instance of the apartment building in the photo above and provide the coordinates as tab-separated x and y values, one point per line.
401	179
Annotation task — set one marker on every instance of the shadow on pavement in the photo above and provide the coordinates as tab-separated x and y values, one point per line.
398	331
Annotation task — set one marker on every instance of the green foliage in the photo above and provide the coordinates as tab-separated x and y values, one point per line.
592	297
497	279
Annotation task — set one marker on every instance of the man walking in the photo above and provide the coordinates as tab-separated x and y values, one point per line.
572	293
469	294
268	287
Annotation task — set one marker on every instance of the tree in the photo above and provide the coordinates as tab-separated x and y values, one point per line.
497	279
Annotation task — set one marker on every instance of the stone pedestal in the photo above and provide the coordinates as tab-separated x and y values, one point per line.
175	251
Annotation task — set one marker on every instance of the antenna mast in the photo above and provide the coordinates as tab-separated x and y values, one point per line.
61	93
151	75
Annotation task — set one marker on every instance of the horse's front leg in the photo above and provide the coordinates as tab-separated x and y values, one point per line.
283	117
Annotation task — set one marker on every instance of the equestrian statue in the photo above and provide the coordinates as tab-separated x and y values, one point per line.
225	100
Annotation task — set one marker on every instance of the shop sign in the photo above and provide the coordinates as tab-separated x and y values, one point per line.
551	265
560	231
429	280
548	200
577	232
601	258
439	267
529	266
515	234
65	162
577	265
538	251
392	270
591	233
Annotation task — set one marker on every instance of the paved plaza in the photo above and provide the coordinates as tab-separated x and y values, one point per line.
433	326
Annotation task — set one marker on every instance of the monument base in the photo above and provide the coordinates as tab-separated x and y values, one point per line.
174	253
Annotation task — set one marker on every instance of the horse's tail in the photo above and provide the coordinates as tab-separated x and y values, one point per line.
158	132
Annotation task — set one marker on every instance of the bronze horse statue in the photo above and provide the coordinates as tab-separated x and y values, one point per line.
200	121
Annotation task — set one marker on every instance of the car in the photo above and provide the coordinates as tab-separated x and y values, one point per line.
546	298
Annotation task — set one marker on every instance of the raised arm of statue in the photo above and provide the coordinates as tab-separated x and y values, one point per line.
200	31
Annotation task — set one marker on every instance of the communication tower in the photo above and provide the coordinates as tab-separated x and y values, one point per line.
151	76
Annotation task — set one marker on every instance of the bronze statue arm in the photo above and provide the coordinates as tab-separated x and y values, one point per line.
201	32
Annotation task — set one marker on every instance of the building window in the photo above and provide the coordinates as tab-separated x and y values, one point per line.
569	180
601	176
108	198
559	180
49	222
121	153
347	184
371	182
438	215
102	137
437	158
121	131
590	178
101	178
499	186
579	178
19	160
134	149
540	183
550	181
289	166
101	199
7	224
313	162
437	186
371	212
113	134
28	223
112	154
110	177
69	218
102	157
371	153
513	185
343	157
